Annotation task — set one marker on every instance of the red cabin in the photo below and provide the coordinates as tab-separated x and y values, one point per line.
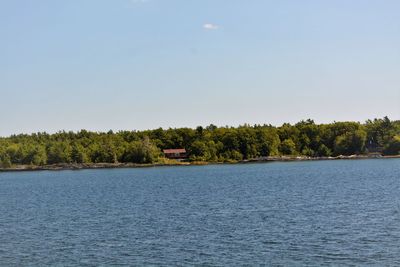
178	153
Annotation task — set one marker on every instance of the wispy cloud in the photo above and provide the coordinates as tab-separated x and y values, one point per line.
210	26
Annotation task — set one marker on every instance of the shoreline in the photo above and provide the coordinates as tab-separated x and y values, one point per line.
86	166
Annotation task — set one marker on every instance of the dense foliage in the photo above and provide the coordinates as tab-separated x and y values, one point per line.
204	144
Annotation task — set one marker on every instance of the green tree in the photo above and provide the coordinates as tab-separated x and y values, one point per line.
78	154
203	151
59	152
393	147
268	141
351	143
209	143
5	161
288	147
141	152
324	151
36	155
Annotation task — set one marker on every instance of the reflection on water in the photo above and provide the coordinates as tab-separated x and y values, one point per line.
296	213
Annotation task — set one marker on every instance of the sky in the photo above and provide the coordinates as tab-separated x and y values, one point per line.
144	64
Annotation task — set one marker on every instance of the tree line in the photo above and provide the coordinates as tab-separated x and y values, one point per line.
211	143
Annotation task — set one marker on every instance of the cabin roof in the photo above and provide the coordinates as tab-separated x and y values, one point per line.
175	150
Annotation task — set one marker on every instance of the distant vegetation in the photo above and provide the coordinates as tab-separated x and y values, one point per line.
212	143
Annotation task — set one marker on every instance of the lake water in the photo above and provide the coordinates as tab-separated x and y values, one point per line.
344	212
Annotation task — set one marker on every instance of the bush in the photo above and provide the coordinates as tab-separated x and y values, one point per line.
288	147
393	148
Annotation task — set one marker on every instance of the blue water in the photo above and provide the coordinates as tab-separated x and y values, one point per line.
285	214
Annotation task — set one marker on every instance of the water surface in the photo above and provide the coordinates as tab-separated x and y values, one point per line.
344	212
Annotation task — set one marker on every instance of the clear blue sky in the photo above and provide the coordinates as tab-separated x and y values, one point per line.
139	64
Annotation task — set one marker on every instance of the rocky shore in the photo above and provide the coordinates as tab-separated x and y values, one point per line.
82	166
305	158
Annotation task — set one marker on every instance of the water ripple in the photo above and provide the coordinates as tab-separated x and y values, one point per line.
281	214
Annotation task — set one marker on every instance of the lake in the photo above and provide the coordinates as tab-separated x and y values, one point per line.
342	212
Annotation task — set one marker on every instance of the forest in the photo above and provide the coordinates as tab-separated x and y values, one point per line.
209	144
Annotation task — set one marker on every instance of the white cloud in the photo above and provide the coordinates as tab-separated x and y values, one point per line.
209	26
